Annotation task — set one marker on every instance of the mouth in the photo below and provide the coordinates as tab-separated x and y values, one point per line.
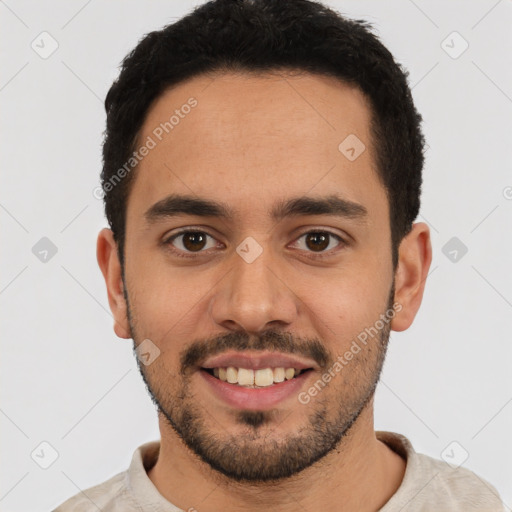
255	378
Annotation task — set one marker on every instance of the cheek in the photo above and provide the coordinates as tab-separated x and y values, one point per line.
168	303
345	304
163	378
159	297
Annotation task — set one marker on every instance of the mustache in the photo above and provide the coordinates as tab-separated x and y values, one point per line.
273	341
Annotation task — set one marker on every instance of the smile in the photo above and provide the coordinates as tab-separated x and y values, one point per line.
247	377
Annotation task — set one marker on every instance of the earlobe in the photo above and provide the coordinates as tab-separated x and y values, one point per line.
415	257
108	261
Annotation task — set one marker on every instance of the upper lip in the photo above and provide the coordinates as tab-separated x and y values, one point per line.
258	360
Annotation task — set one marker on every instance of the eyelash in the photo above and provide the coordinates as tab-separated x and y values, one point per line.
182	254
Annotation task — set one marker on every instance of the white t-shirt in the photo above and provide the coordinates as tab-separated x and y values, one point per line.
429	485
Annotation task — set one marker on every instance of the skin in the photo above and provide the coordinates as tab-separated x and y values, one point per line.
251	141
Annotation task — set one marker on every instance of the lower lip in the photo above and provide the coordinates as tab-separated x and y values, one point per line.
255	398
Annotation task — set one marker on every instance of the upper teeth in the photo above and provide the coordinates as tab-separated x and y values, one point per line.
249	377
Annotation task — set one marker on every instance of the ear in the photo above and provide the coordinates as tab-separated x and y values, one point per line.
108	260
414	258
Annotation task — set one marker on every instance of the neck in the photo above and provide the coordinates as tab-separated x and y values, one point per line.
362	473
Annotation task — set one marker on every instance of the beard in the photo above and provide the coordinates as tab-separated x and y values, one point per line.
254	455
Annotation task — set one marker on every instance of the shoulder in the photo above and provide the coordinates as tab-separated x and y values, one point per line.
120	492
459	487
432	484
109	496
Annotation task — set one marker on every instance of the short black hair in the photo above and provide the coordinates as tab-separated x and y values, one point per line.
266	36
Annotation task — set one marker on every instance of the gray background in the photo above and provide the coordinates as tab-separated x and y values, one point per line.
67	380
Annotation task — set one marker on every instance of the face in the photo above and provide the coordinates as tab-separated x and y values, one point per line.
287	269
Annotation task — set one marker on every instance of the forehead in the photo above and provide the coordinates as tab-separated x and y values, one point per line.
247	137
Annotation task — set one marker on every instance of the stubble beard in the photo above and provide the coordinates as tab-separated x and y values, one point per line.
254	454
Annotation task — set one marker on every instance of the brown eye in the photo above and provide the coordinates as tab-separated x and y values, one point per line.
194	241
191	242
317	241
320	242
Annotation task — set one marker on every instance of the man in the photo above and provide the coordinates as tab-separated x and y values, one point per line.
262	172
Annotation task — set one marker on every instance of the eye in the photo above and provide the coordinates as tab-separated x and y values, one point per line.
319	242
189	242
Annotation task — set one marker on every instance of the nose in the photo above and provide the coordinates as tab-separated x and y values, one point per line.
255	296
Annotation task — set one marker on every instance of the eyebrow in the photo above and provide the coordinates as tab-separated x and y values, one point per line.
332	205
